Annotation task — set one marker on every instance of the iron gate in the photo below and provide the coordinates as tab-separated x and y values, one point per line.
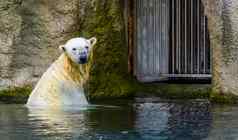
171	40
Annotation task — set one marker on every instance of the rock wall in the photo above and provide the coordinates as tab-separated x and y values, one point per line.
30	33
223	27
108	76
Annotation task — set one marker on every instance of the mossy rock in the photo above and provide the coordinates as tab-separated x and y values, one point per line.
108	75
220	98
18	95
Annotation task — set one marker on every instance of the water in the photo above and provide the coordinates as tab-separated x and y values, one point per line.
150	120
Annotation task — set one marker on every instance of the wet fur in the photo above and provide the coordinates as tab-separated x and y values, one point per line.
62	77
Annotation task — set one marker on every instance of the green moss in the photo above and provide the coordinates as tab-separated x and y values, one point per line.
223	98
108	75
175	91
15	94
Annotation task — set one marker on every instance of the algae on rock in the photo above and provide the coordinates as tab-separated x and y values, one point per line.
108	76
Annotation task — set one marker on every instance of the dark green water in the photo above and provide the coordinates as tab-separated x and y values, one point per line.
167	120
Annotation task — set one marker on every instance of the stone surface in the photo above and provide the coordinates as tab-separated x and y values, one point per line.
108	76
223	27
30	33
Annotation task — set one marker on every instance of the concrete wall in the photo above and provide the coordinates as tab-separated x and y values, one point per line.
223	27
31	31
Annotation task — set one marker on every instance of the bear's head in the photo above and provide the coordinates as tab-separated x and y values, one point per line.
78	49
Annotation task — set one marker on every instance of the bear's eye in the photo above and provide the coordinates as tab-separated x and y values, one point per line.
74	49
86	47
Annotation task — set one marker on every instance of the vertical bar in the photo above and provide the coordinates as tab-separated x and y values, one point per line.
143	22
154	32
198	36
163	14
204	45
133	34
157	38
185	36
167	37
140	37
179	36
137	36
160	36
191	36
152	35
173	64
146	64
150	47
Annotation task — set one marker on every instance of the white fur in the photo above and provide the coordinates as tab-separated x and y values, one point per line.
62	83
77	46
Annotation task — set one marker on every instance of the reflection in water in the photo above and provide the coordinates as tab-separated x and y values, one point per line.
133	121
88	122
51	122
180	121
151	118
225	123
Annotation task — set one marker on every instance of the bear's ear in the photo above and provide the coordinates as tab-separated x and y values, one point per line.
92	41
62	48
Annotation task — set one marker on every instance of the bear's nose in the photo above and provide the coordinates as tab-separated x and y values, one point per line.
83	59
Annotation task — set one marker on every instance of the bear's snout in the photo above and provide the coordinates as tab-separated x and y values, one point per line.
83	59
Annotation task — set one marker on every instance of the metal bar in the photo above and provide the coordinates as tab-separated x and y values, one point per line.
161	35
179	36
188	75
164	77
185	36
142	55
191	36
173	40
149	39
154	38
165	66
158	36
133	35
198	36
137	36
163	15
204	45
160	28
167	37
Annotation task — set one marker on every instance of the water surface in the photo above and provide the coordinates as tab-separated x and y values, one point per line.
167	120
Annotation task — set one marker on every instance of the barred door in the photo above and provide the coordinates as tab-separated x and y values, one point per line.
171	40
152	39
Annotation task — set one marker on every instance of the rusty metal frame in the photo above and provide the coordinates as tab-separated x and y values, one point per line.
131	42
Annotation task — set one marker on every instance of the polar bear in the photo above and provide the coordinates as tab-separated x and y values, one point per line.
62	83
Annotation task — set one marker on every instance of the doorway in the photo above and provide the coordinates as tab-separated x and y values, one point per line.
171	40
